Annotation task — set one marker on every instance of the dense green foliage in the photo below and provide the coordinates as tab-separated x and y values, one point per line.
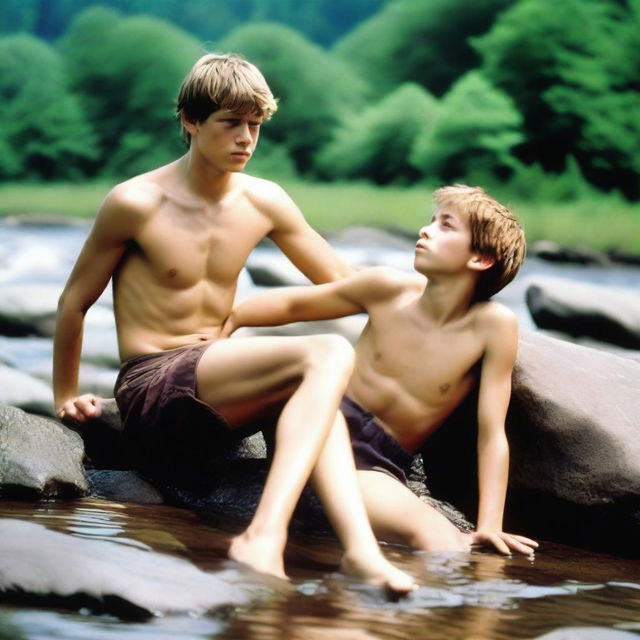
320	20
474	131
42	130
315	89
377	143
536	94
420	41
128	85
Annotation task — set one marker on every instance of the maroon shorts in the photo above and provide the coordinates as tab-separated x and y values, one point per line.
373	448
168	429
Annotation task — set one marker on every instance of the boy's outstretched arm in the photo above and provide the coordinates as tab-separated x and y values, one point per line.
501	335
320	302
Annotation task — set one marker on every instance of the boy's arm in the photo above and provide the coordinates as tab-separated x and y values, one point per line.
345	297
501	334
92	271
304	246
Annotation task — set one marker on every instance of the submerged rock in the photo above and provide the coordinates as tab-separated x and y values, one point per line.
68	571
574	430
39	457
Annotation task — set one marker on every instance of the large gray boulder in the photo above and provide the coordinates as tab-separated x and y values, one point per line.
67	571
39	457
574	430
600	312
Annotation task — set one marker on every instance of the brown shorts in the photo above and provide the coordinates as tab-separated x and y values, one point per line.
169	431
373	448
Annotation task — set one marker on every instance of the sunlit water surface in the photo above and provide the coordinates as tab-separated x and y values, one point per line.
479	595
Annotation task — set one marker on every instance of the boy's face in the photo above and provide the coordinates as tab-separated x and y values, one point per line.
226	139
444	245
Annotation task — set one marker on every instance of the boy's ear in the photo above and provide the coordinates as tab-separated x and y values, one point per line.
481	262
188	125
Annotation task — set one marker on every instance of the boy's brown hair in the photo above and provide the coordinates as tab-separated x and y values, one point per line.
495	232
223	81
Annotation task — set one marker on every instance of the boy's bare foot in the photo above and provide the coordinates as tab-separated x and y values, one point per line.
377	570
263	554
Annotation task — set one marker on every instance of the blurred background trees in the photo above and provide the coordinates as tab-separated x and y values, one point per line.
391	91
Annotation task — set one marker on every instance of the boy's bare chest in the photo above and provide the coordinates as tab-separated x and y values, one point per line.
424	360
181	250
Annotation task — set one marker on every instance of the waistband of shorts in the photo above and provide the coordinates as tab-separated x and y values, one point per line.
135	361
406	457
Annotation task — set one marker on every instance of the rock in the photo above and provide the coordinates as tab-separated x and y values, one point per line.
28	309
372	237
122	486
574	430
107	577
554	252
21	390
39	457
601	312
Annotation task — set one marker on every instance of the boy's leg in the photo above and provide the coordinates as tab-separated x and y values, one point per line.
336	483
241	378
398	515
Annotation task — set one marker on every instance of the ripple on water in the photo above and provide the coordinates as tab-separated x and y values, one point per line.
479	595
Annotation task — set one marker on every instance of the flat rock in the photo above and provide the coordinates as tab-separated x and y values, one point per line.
600	312
39	457
105	576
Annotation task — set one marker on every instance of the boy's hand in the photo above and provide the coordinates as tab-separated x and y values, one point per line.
504	542
81	408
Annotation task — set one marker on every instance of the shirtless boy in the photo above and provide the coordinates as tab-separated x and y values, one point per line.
426	344
174	241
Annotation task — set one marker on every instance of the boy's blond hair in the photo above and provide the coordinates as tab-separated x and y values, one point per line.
495	232
223	81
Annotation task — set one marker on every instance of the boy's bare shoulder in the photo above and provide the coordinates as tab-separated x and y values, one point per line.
494	319
266	195
382	282
135	196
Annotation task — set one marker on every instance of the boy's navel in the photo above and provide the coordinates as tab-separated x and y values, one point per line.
444	388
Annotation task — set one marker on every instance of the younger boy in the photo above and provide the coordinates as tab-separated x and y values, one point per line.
426	344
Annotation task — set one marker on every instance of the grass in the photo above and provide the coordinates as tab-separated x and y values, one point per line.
600	221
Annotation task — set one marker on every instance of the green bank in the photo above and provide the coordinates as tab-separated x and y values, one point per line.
596	220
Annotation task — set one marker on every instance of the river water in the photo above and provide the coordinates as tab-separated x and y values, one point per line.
476	595
563	593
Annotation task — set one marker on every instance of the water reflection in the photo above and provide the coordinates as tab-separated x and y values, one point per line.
478	595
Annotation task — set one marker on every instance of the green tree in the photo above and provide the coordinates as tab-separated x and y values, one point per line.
127	71
423	41
43	132
377	143
573	70
315	90
474	131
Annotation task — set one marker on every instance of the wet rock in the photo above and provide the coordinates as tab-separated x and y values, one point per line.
61	570
554	252
574	429
600	312
21	390
122	486
39	457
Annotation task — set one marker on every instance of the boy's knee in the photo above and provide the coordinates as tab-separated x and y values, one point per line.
333	350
